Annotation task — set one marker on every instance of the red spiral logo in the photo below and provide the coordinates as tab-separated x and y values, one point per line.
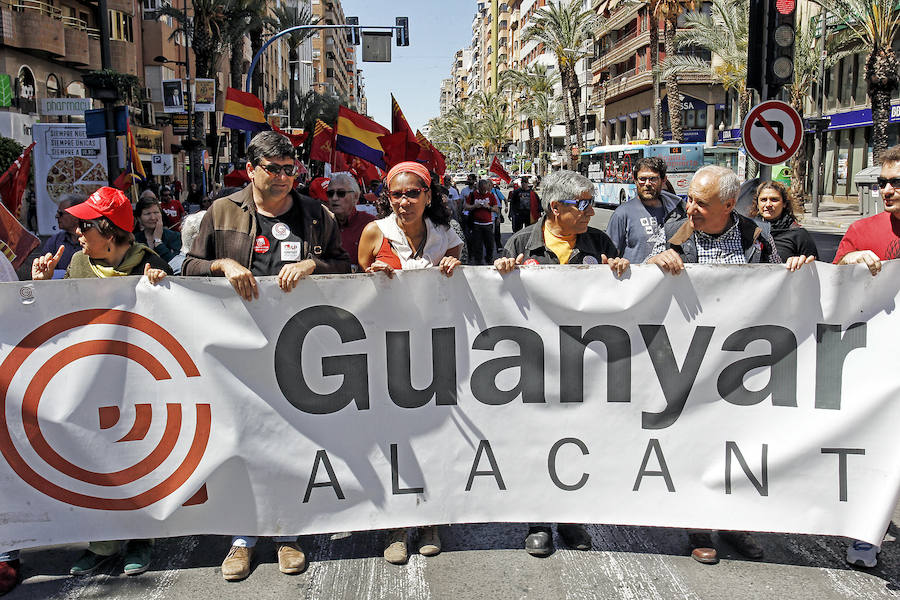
108	415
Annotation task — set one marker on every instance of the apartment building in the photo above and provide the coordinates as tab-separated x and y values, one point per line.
333	59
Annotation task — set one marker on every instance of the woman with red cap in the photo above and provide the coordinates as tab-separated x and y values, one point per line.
414	233
108	249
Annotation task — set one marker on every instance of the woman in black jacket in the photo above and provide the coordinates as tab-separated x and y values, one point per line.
777	207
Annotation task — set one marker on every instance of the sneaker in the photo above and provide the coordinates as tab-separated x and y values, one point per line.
137	557
291	559
10	575
88	563
429	541
863	554
395	551
236	565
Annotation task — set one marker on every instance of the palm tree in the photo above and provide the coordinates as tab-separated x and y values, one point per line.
534	79
288	16
495	127
874	24
545	111
669	10
205	29
563	29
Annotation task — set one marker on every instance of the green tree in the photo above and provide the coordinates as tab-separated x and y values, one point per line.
563	29
288	16
669	11
10	150
545	109
205	27
535	79
874	24
495	128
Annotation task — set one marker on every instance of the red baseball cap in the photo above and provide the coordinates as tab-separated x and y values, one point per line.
318	187
106	202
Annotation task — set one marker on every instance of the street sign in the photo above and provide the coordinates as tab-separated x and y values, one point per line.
772	132
162	164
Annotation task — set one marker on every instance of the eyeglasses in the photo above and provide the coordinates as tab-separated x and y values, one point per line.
652	179
60	213
339	193
894	181
411	193
85	226
275	170
581	205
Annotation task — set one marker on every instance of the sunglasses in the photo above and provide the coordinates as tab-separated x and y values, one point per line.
275	170
894	181
581	205
339	193
86	226
411	193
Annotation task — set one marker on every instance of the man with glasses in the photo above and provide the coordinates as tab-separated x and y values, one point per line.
343	196
870	241
633	223
874	239
561	237
266	229
66	236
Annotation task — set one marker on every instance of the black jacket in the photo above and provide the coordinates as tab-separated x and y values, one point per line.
530	242
756	245
791	239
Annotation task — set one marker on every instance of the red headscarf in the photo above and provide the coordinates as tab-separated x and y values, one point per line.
415	168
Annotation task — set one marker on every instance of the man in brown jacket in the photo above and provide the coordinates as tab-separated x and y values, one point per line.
266	229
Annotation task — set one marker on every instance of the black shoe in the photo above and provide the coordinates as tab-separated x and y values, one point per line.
743	542
574	536
539	541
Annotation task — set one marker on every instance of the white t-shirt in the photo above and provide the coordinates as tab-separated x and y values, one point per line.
438	240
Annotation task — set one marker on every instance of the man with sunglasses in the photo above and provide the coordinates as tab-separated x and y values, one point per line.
343	196
874	239
561	237
267	228
633	223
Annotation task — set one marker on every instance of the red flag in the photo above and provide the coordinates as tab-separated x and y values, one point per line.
413	150
436	161
16	242
14	180
340	162
296	138
322	142
366	170
498	170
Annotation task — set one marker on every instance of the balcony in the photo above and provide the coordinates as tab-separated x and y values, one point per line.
33	25
627	83
623	49
77	42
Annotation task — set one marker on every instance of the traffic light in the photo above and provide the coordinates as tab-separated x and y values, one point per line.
780	43
353	32
403	32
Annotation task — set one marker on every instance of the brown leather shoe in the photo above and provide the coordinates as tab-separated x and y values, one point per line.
702	549
236	565
291	559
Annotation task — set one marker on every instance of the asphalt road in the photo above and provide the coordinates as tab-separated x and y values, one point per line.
483	562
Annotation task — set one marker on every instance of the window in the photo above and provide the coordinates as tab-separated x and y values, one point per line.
52	86
120	26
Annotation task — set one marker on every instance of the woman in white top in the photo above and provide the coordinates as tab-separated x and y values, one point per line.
414	234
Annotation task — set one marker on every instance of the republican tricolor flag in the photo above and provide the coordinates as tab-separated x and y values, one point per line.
243	111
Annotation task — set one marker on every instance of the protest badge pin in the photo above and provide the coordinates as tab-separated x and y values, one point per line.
281	231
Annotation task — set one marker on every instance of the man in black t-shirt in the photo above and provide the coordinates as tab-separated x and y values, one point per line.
266	229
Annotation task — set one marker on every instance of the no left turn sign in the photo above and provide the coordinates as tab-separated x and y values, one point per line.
772	132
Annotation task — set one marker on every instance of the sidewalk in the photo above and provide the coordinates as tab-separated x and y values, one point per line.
833	216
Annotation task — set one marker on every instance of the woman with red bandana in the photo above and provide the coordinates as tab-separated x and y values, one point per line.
414	233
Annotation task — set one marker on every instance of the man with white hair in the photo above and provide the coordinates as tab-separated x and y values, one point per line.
714	233
343	196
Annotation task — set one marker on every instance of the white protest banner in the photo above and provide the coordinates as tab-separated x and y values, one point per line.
744	398
66	161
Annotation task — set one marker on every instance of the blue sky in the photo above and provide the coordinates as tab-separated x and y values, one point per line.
437	29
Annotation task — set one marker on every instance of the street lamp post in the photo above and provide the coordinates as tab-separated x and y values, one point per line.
190	145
